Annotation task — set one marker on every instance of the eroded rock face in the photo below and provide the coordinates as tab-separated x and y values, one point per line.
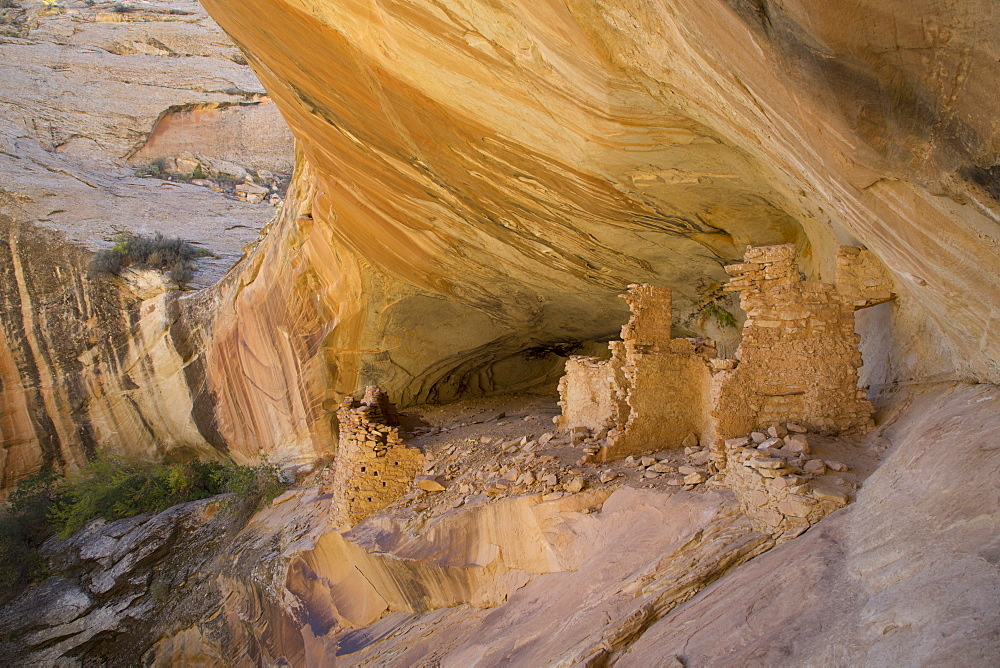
88	362
504	170
82	99
619	572
895	577
118	585
91	363
477	182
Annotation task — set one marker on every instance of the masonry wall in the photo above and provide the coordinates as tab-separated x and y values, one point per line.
667	399
373	467
797	361
799	355
862	279
586	392
653	391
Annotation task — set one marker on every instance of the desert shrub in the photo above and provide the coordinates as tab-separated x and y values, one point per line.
176	257
9	4
157	168
20	562
113	488
122	8
723	317
24	526
161	168
256	485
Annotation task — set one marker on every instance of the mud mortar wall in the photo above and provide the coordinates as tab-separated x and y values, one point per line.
862	279
797	361
653	391
587	394
373	467
667	399
799	355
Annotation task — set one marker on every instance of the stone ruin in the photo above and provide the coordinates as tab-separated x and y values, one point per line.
861	278
799	356
797	362
779	483
373	466
652	389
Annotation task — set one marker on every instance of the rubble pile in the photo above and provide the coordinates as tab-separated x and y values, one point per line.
780	480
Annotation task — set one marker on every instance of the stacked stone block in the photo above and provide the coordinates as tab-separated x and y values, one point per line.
797	361
779	482
862	279
373	467
653	391
798	358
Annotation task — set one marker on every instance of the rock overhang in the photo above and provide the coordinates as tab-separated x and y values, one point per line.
515	214
477	182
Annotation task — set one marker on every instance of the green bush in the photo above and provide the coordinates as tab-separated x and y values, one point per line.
113	488
723	317
23	529
157	168
20	562
174	256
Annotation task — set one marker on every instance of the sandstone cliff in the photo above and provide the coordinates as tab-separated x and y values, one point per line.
86	95
501	172
474	185
477	184
635	572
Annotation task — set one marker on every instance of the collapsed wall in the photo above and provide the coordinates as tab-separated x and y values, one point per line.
652	391
797	361
373	467
799	356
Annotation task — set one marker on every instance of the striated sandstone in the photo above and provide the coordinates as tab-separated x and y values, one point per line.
120	364
540	127
510	220
499	173
476	182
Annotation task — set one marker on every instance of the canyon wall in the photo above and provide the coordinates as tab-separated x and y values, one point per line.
490	176
623	575
477	182
89	362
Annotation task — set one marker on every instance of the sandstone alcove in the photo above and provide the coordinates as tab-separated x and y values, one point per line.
486	455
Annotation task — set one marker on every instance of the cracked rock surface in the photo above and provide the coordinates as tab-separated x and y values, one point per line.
82	91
